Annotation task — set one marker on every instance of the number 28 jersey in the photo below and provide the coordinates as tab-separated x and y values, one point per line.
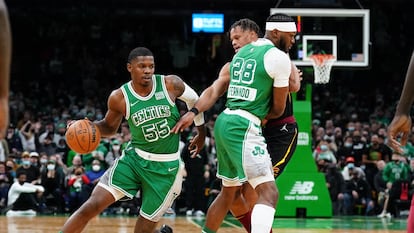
254	71
151	118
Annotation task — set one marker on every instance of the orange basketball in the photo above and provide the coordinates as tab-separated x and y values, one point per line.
83	136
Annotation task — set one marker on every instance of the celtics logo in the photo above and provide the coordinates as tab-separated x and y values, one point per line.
258	151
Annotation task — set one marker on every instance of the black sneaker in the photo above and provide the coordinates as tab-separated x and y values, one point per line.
166	229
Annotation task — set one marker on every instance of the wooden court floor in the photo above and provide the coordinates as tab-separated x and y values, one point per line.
125	224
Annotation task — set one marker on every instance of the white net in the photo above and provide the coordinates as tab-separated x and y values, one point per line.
322	64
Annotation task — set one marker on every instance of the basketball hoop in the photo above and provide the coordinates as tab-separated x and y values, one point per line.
322	64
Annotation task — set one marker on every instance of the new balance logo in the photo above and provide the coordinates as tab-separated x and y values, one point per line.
304	187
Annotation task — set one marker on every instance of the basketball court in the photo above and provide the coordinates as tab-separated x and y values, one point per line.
338	38
125	224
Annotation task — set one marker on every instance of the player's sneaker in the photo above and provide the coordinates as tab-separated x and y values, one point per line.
166	229
384	215
199	213
189	213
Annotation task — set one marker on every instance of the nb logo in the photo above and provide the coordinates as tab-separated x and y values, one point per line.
304	187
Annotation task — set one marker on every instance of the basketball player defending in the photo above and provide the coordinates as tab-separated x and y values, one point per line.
5	59
280	133
263	211
151	160
401	125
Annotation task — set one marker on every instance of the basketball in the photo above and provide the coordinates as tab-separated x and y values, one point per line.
83	136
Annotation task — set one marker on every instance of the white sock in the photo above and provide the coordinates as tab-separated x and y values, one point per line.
262	218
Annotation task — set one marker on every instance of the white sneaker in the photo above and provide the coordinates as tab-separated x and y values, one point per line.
189	213
384	215
170	212
199	213
14	213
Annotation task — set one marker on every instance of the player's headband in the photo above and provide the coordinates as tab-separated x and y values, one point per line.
281	26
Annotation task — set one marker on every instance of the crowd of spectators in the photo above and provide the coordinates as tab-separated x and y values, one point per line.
67	61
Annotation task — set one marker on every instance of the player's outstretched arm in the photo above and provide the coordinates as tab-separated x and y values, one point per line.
207	99
5	60
401	123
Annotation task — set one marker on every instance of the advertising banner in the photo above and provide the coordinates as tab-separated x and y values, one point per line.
302	189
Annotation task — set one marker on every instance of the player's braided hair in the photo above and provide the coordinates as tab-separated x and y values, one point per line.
246	24
279	17
139	51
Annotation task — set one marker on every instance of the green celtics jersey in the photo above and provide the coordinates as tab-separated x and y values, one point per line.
151	118
250	86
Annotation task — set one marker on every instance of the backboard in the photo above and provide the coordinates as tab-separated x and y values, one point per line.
344	33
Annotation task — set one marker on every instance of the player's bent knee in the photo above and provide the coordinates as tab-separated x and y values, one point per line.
254	182
268	192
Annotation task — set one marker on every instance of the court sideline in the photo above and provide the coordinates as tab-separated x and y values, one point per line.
125	224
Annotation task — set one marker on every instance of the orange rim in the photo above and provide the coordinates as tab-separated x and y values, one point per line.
321	58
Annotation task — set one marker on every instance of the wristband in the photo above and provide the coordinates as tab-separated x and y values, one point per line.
194	110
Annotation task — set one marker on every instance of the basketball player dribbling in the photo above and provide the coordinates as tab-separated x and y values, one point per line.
151	160
5	60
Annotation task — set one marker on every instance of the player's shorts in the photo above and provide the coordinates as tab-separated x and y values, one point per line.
158	176
241	149
281	142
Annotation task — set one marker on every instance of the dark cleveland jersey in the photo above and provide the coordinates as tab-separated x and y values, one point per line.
288	109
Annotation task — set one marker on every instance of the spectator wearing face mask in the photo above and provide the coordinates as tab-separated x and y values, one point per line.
32	172
98	154
75	162
11	168
344	150
43	160
23	197
358	191
78	193
359	148
52	180
350	167
114	152
323	155
395	171
34	159
374	154
96	172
